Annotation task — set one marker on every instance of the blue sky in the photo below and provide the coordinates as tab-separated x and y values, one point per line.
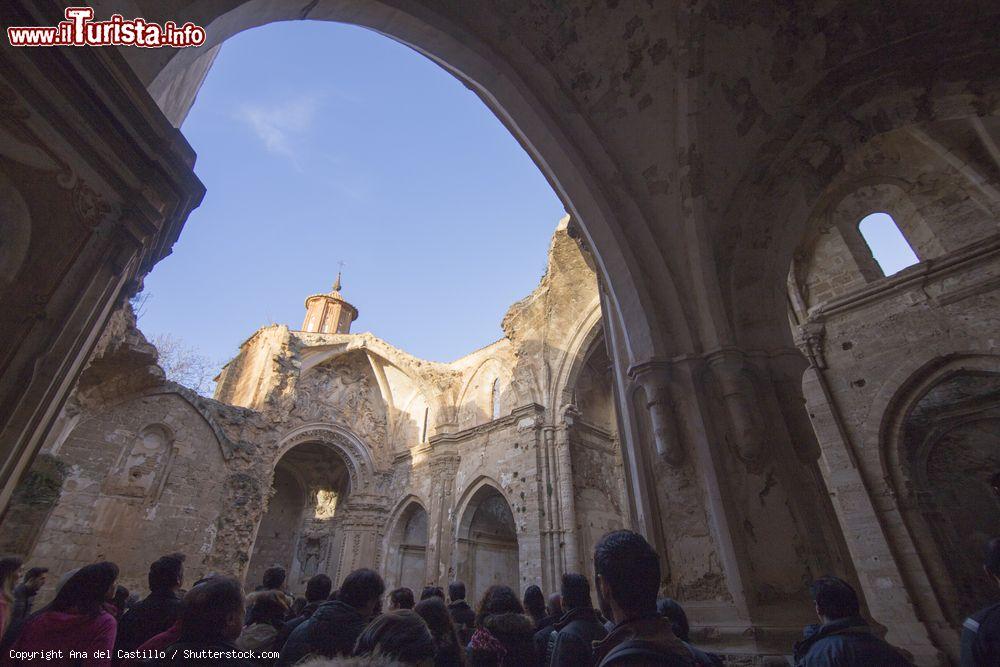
888	245
321	142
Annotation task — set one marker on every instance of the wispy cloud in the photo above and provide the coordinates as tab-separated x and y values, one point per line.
279	126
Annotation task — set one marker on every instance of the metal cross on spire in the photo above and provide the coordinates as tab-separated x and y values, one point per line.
336	285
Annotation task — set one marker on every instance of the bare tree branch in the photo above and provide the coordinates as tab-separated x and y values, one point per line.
184	365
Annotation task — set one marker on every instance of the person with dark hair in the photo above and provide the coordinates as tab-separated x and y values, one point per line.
317	591
553	612
211	620
266	613
981	631
534	604
461	613
273	580
335	626
448	651
401	598
570	642
10	568
119	602
76	619
842	638
432	592
158	610
504	635
627	572
24	597
671	610
25	592
401	635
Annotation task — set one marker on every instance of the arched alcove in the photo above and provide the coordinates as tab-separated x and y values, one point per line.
486	551
406	557
948	452
299	529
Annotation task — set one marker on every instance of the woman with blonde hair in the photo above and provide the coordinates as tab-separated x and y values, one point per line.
10	567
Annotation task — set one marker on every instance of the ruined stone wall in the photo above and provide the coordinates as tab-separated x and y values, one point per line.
234	482
142	481
877	344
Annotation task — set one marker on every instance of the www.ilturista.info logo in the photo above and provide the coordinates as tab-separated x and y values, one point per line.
79	29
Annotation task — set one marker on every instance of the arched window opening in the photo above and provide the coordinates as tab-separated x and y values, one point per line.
887	244
495	399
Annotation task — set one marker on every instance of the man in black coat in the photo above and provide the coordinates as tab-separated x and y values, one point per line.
579	627
159	610
462	614
317	591
842	638
335	626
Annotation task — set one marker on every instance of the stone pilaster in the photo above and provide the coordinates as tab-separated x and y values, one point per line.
441	519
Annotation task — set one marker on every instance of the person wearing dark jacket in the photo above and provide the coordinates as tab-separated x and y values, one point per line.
504	635
159	610
24	598
628	578
534	605
981	631
573	635
671	610
842	638
462	614
211	620
317	591
543	629
336	625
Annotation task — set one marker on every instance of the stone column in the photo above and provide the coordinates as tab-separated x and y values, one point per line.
362	526
567	499
724	495
441	519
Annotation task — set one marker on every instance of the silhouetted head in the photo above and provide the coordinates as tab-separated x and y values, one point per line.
87	589
401	635
456	591
432	592
534	602
166	573
270	607
671	610
575	592
318	588
401	598
362	589
553	606
498	600
438	619
628	573
274	578
834	598
213	610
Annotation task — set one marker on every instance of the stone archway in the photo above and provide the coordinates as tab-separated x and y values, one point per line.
406	552
300	530
943	451
486	550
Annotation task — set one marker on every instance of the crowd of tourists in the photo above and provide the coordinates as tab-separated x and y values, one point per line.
92	621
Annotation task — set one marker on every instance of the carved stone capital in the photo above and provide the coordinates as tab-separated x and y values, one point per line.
654	377
730	370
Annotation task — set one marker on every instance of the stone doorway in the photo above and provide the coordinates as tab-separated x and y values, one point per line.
299	530
487	548
407	554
